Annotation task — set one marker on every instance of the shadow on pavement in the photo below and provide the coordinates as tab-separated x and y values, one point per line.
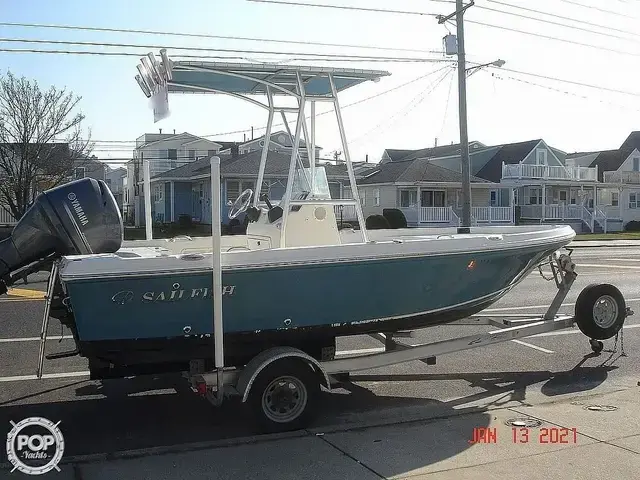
156	411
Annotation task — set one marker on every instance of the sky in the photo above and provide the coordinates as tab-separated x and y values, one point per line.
503	106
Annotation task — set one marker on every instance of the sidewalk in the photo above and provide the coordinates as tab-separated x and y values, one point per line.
606	445
604	243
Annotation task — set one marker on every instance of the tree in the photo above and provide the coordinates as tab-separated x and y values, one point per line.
40	140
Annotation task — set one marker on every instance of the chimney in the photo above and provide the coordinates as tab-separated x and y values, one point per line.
251	133
174	131
366	158
160	131
436	142
235	150
244	137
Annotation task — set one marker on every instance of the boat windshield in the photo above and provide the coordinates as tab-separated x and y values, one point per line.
301	184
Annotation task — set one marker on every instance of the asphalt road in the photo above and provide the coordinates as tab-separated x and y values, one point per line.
116	415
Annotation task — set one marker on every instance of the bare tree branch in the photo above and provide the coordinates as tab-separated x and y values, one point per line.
32	124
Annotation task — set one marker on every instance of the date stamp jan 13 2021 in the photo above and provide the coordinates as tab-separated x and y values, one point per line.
554	435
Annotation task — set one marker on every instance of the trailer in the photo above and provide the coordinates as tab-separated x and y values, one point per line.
281	385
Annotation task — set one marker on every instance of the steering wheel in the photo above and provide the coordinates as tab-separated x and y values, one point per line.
241	204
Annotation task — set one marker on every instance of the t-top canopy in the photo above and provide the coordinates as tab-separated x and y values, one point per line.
253	79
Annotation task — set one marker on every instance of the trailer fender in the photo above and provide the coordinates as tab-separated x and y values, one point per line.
267	357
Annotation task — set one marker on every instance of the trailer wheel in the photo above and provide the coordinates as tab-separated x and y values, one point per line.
600	311
284	395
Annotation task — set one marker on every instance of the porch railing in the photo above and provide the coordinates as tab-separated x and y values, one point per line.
492	214
552	172
6	218
622	177
552	212
348	212
435	214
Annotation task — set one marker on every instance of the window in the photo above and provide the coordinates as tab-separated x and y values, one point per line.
516	196
211	153
376	197
108	182
233	190
493	198
535	196
158	190
192	155
362	195
541	156
633	200
562	196
615	199
408	198
172	155
432	198
636	164
79	173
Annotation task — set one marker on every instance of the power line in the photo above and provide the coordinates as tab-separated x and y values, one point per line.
611	12
202	35
572	82
549	37
549	22
345	7
566	92
203	49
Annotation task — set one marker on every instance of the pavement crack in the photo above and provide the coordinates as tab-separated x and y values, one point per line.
347	454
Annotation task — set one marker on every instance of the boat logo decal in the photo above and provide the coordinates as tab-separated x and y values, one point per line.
175	294
78	208
122	297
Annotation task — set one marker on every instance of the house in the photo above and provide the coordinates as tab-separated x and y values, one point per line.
619	174
280	142
88	167
165	152
427	193
186	190
524	182
116	181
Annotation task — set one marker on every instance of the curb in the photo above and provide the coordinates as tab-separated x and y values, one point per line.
170	449
309	432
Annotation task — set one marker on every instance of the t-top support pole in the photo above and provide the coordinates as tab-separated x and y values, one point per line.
265	147
347	156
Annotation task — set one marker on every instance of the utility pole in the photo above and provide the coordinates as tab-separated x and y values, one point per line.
462	114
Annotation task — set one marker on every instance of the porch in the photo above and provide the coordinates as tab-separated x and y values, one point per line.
428	206
549	172
6	218
599	209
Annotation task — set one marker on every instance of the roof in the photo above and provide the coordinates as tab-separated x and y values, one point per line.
243	165
416	170
253	78
441	151
611	160
509	153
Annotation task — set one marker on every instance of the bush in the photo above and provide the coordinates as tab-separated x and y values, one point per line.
395	218
632	226
376	222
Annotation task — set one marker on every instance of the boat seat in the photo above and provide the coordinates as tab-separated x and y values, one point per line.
275	214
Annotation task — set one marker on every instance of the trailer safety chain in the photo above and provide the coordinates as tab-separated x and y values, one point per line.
548	279
615	343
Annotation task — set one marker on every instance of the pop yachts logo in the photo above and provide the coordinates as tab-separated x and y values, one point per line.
175	294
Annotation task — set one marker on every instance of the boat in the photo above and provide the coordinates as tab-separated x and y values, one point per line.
293	280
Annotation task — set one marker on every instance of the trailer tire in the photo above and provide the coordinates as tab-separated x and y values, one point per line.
284	395
600	311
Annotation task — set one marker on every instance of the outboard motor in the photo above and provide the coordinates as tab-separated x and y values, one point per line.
77	218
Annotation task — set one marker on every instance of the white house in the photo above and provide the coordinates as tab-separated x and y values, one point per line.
280	142
164	152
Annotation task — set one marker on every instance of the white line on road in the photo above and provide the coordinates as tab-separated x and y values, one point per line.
569	332
520	342
610	267
22	378
528	307
34	339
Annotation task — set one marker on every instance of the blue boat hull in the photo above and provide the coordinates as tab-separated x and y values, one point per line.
149	323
